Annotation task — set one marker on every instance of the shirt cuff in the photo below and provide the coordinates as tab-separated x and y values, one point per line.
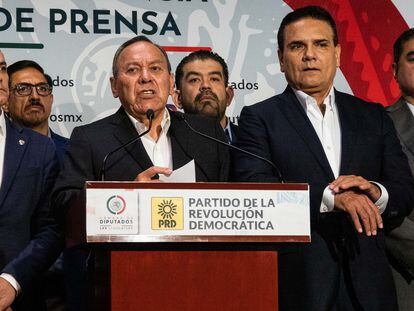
328	200
9	278
383	199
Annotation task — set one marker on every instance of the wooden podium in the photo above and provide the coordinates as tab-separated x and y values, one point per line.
172	272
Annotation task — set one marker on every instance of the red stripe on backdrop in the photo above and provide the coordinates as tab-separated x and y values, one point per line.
367	31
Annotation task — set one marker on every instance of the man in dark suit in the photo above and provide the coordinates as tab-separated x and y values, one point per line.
337	144
400	241
142	80
202	81
32	108
30	239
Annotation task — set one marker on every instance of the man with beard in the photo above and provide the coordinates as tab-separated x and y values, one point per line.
30	105
29	237
202	81
31	102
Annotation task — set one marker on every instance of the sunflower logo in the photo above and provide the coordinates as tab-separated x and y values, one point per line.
167	213
167	209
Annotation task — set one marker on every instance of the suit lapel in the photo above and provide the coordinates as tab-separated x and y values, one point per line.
349	128
16	144
179	142
124	131
403	121
300	122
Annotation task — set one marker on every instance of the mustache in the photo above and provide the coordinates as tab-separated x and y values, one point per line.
206	93
34	103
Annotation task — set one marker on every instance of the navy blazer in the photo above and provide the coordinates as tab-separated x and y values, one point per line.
61	144
29	237
279	130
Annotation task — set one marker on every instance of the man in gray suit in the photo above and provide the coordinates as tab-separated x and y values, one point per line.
400	241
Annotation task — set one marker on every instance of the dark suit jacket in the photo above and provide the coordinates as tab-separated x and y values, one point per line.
90	143
61	144
400	241
29	237
278	129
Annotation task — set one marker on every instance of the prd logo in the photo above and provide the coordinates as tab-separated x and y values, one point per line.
167	213
116	205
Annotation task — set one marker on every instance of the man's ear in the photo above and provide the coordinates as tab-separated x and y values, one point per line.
5	107
281	61
114	89
176	96
171	84
229	95
395	70
338	55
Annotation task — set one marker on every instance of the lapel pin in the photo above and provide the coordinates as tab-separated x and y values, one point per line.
21	142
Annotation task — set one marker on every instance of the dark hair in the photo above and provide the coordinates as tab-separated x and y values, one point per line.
200	55
130	42
23	64
402	39
314	12
49	80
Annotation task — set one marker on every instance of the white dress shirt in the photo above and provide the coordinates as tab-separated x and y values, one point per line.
160	151
328	129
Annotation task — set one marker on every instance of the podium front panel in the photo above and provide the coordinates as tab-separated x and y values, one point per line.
193	280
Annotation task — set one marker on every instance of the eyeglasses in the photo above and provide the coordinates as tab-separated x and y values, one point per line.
25	89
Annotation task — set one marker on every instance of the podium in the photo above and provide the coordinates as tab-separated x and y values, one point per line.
166	246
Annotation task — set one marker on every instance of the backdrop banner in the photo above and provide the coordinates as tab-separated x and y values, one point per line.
74	41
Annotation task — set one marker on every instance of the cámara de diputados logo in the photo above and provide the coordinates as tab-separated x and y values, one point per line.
116	205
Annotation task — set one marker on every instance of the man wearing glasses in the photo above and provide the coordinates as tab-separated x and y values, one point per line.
30	239
30	104
31	99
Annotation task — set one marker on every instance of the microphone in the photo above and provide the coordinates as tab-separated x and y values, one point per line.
276	169
150	116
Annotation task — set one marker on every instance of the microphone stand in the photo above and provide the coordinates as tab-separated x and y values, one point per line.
276	169
150	116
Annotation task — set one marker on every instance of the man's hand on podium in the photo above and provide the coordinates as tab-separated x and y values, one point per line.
151	174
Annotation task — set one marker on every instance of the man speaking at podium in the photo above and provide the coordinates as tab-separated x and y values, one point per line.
347	151
142	80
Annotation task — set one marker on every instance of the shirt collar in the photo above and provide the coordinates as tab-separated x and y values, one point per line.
410	106
140	127
227	127
305	100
